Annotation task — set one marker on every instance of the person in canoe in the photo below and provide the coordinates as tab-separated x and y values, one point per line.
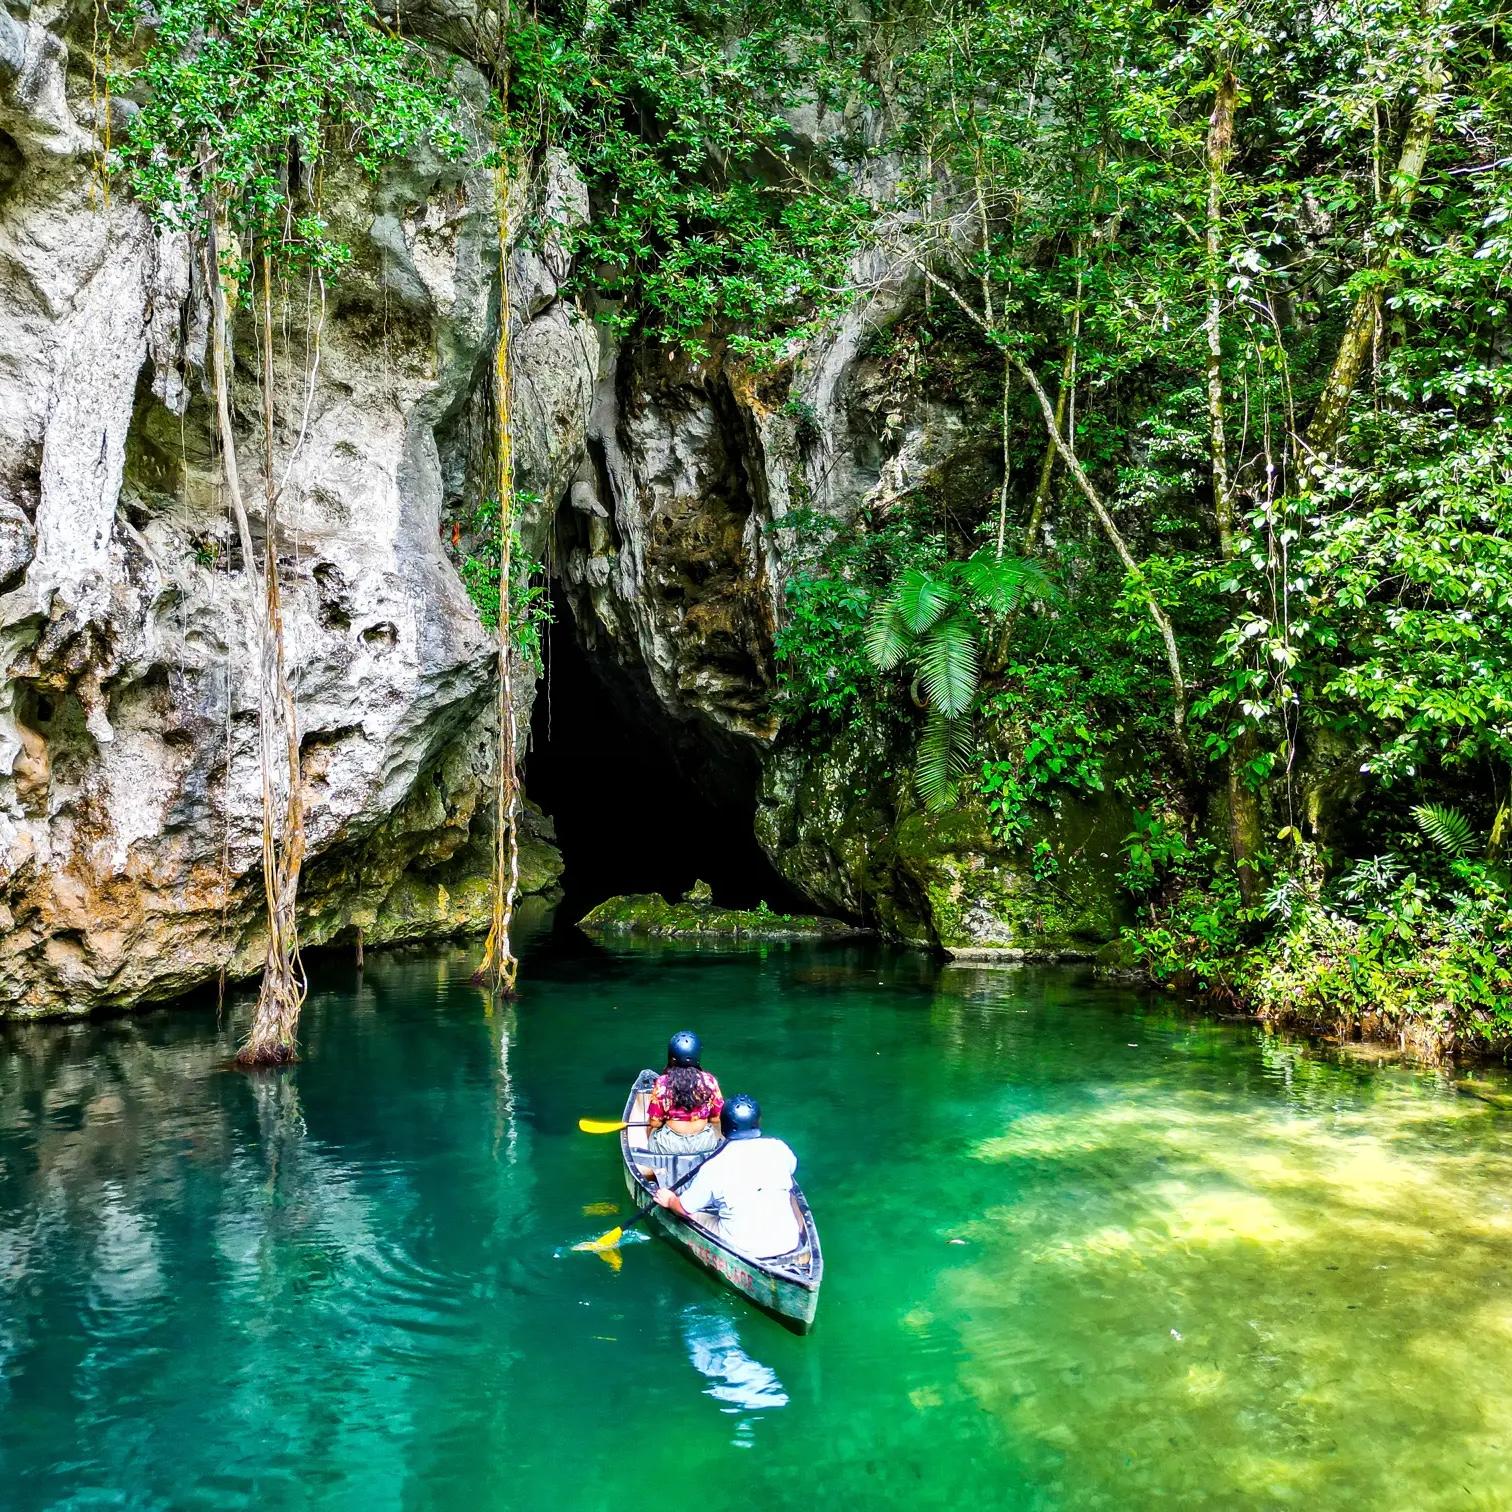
744	1193
685	1101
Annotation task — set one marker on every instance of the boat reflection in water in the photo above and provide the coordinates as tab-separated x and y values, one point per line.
744	1388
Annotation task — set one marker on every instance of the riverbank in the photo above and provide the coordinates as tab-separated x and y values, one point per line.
1415	964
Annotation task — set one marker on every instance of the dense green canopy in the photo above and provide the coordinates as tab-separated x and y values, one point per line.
1222	290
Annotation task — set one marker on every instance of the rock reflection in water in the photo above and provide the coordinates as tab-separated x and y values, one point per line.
744	1387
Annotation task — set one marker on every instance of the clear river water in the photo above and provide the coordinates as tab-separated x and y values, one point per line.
1083	1249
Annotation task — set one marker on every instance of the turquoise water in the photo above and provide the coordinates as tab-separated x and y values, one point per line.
1082	1249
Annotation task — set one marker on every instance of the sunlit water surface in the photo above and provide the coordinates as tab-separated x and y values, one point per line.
1083	1250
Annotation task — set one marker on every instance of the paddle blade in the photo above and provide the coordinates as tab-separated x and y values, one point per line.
600	1125
603	1242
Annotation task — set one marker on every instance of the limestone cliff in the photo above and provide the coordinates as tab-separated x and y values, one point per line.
129	793
664	496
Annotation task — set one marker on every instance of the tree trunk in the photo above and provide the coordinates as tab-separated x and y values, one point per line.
1047	463
1004	440
1220	140
271	1039
1110	528
1333	403
499	966
1243	801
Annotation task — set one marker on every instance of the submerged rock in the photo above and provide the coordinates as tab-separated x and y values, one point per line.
650	915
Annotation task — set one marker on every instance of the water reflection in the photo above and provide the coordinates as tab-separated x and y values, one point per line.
1108	1253
745	1388
504	1025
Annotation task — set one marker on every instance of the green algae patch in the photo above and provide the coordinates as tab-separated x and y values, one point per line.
651	916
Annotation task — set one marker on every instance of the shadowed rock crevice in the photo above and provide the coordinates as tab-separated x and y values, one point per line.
641	801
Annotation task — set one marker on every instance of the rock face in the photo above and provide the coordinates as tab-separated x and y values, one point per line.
666	494
867	849
663	558
129	788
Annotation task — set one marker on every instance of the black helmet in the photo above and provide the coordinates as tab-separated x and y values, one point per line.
684	1049
741	1117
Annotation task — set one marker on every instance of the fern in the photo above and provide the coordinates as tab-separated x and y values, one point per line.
944	753
887	639
1001	584
1446	828
1370	881
921	600
948	665
937	621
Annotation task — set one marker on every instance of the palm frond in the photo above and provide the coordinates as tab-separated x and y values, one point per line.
944	751
948	665
1002	583
922	598
887	638
1446	828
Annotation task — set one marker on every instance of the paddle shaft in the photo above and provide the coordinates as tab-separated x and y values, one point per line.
676	1186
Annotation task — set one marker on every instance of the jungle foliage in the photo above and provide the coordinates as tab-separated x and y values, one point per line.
1242	272
1221	294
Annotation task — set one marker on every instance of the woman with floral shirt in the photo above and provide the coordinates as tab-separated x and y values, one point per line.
683	1113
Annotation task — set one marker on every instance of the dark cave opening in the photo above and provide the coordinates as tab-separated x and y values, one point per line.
641	803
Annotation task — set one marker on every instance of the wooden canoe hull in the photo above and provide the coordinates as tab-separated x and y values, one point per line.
786	1286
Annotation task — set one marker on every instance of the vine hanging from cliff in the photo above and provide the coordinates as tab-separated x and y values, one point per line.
517	617
500	966
242	103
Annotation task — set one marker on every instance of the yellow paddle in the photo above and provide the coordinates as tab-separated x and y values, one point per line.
606	1125
609	1240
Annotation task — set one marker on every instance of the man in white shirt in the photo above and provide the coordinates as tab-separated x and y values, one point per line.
744	1191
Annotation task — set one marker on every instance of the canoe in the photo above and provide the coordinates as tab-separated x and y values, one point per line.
787	1286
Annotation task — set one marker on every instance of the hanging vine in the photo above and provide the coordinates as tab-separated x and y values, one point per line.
500	967
240	104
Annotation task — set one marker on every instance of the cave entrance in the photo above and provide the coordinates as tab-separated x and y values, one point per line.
641	801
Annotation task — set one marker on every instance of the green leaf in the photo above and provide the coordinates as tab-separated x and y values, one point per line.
1001	584
1447	828
948	665
944	753
887	639
922	599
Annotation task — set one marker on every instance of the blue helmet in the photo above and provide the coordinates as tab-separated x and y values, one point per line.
741	1117
685	1049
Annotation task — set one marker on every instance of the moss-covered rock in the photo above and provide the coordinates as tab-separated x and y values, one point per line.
455	895
987	900
651	916
843	825
827	819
